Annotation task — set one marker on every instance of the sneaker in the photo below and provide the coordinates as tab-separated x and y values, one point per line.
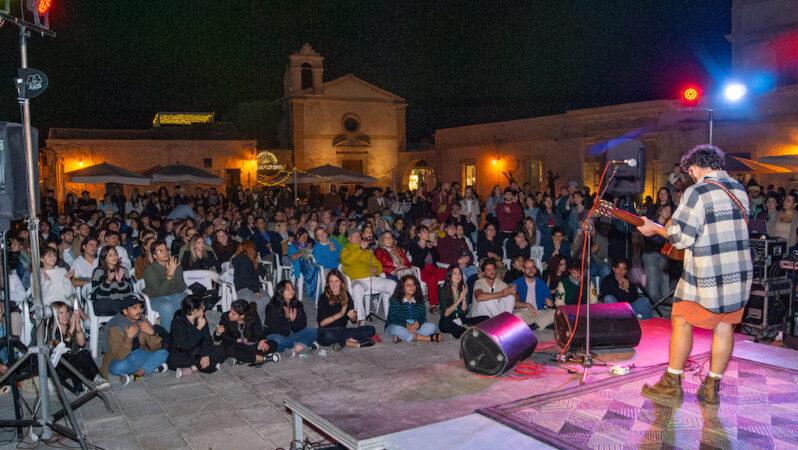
314	346
273	357
336	347
162	368
125	379
218	366
101	383
289	353
182	372
366	343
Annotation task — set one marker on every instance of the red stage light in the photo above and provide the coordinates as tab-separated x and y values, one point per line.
44	6
690	94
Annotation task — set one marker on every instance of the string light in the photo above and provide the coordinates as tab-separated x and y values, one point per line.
283	176
181	118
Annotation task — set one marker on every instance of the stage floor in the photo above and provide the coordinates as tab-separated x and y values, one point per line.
412	396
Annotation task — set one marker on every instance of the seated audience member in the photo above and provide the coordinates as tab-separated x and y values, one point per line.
556	246
164	284
407	315
492	295
144	258
335	309
223	246
134	349
425	256
557	270
65	247
394	261
533	302
300	253
112	239
66	328
247	271
568	289
56	285
489	245
341	227
326	251
191	347
83	266
362	268
516	270
242	335
199	256
517	245
263	239
617	288
110	284
531	231
286	322
454	251
453	296
597	267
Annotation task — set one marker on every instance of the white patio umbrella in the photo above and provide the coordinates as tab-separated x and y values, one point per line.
181	173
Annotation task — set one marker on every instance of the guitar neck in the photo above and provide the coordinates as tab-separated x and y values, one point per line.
627	217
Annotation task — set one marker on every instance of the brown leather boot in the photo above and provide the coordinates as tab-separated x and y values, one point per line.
708	392
668	387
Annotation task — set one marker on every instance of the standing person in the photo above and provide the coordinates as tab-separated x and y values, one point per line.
442	203
710	225
242	335
469	206
785	223
191	347
453	295
287	323
655	263
493	201
509	214
134	349
407	316
163	283
336	308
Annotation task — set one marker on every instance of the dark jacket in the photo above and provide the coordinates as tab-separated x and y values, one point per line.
209	262
244	274
278	323
326	310
484	246
187	340
419	254
251	330
264	246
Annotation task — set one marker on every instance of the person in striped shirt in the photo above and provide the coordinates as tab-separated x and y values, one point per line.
407	316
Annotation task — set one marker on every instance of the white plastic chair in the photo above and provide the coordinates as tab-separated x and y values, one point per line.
536	254
228	278
373	298
27	323
94	326
207	278
138	288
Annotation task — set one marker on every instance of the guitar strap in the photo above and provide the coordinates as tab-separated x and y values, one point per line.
732	196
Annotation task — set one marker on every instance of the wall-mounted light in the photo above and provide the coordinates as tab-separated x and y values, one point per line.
493	162
80	163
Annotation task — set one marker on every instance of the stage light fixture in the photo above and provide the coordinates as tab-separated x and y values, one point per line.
41	11
690	96
735	91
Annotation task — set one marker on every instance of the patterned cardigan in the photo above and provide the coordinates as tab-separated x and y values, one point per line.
712	229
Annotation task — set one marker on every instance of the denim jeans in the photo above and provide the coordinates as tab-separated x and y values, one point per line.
641	306
138	359
426	329
166	307
304	337
469	271
657	275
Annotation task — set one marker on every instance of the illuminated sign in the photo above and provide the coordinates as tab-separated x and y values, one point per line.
268	165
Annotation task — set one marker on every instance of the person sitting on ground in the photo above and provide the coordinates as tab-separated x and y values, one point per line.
66	328
453	295
242	336
335	309
56	285
362	268
199	257
454	251
191	347
618	289
134	349
286	321
110	284
533	302
247	270
326	252
164	284
492	295
394	262
407	315
568	289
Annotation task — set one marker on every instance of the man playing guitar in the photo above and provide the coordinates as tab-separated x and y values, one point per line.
710	225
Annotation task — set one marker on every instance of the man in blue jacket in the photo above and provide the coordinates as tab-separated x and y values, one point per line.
533	298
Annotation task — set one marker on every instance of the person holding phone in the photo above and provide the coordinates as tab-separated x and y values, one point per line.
191	347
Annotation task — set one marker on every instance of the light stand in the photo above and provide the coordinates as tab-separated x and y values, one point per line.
46	421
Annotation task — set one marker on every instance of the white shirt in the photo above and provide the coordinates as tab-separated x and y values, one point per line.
83	269
68	256
58	288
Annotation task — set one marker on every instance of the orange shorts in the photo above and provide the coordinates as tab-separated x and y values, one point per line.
698	316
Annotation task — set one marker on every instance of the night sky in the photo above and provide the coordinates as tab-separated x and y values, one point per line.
115	63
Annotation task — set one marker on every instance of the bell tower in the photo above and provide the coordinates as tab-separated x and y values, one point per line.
305	72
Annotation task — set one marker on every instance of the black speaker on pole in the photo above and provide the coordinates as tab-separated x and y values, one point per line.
13	171
629	179
497	344
612	325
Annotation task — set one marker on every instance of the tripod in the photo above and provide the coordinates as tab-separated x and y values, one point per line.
371	290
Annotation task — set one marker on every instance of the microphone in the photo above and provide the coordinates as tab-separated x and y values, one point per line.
630	162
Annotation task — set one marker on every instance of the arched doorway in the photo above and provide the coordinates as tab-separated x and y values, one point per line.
421	172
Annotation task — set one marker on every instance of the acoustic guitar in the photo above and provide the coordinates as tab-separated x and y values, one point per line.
608	209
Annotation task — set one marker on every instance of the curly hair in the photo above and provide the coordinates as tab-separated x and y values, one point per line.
706	156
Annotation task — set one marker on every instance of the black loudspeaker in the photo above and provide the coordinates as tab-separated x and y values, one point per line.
497	344
628	180
612	325
13	172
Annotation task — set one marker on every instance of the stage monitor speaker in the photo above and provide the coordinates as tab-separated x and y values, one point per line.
612	325
628	180
497	344
13	172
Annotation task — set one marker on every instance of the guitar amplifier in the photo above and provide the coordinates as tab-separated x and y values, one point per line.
768	303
